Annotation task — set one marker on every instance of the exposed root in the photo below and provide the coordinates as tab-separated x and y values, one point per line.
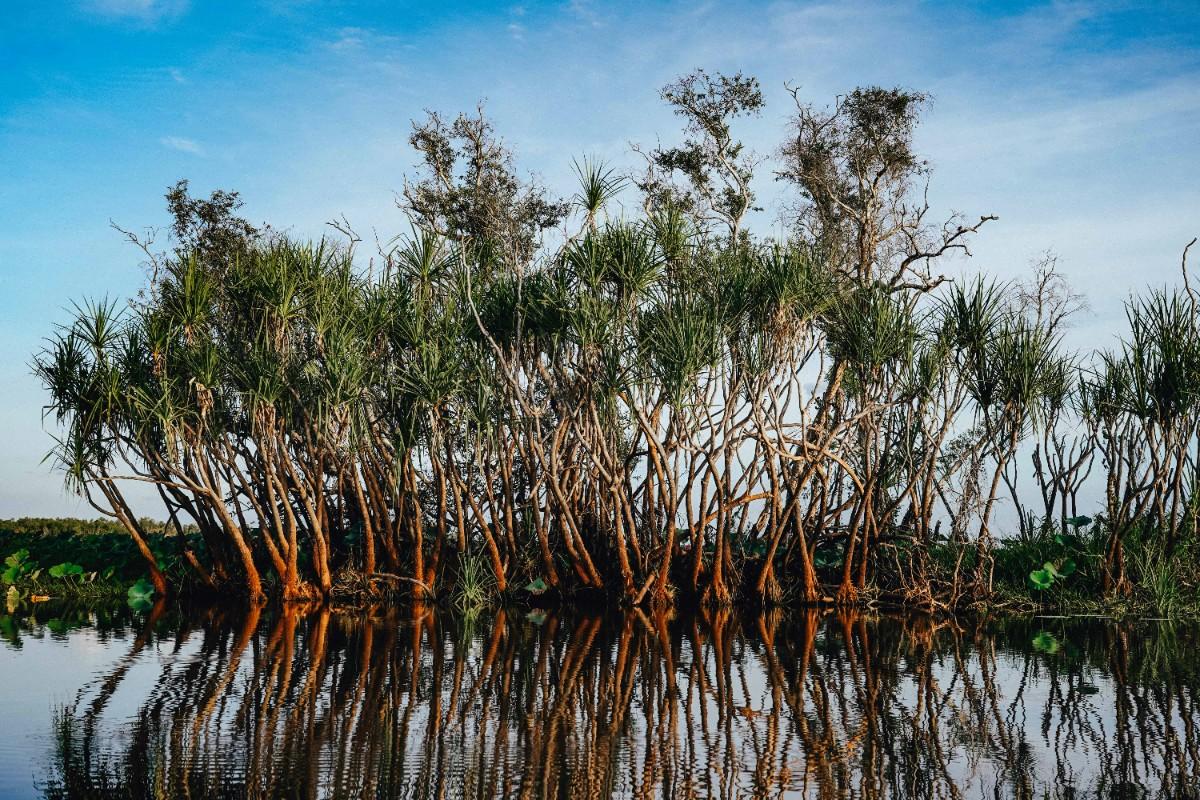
846	595
662	598
717	594
302	592
351	584
770	593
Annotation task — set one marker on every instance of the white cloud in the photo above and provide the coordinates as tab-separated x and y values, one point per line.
583	10
182	145
144	11
353	40
349	39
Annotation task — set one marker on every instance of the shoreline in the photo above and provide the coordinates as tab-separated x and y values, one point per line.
109	592
102	565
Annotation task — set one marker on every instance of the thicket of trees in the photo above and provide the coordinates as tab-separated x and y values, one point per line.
637	405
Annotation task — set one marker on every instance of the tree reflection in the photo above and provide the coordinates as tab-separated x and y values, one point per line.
308	702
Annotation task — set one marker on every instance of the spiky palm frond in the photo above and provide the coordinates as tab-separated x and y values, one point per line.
598	184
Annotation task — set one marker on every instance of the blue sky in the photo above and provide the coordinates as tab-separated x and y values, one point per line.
1077	123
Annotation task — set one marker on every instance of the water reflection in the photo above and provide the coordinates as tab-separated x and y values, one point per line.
313	703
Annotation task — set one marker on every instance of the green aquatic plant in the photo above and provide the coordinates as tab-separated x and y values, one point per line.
1159	578
140	596
536	586
1070	547
67	570
19	567
1051	574
13	598
1046	642
475	587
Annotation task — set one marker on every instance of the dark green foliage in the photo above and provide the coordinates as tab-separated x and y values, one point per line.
470	193
72	549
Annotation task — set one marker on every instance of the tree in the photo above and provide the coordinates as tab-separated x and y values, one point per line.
716	168
862	188
469	192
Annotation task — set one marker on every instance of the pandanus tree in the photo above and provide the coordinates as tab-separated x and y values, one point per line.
83	368
1141	404
870	335
1010	366
640	405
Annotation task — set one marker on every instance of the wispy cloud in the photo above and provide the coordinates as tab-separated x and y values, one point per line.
349	39
182	144
583	10
146	12
352	40
1056	128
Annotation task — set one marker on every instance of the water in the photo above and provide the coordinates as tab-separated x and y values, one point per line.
315	703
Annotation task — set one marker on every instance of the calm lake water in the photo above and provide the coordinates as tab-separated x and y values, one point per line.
219	703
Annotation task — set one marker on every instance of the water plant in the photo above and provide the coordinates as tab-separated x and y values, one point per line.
18	567
475	587
141	595
67	570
